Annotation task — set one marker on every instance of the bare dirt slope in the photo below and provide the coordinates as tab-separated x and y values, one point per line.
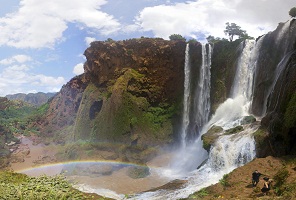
237	184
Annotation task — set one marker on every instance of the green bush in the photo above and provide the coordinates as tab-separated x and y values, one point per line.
177	37
292	12
234	130
224	180
19	186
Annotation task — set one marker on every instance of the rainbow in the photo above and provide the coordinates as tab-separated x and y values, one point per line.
56	168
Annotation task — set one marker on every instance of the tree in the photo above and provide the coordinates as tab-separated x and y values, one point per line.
211	39
246	36
233	29
292	12
177	37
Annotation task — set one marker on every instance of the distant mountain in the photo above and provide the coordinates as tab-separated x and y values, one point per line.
36	99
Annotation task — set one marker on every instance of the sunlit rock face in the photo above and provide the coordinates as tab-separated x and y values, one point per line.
131	92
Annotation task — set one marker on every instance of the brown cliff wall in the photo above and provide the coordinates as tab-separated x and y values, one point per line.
275	89
131	93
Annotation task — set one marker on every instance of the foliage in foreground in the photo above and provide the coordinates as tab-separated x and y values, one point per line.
20	186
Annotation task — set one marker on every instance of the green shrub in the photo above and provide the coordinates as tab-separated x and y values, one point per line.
280	179
292	12
19	186
234	130
177	37
224	180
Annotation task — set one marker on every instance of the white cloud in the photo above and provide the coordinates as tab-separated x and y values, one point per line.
18	78
78	69
40	24
209	17
43	80
16	59
88	40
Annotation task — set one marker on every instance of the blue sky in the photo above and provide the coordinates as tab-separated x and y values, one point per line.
42	42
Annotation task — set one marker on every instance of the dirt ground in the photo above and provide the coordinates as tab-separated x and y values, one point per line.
239	182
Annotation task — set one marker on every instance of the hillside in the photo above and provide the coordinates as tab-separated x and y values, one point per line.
238	183
11	118
36	99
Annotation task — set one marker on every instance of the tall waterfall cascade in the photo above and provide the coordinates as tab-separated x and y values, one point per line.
286	54
202	97
186	159
229	113
229	151
186	102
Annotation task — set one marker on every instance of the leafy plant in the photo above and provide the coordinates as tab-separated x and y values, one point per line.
292	12
177	37
224	180
280	179
20	186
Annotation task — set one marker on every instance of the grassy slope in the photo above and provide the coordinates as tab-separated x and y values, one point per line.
20	186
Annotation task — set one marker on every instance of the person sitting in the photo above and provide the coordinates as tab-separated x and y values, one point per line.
255	177
266	186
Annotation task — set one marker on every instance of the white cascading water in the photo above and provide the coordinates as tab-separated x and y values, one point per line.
202	96
186	102
186	160
279	69
229	151
233	109
281	64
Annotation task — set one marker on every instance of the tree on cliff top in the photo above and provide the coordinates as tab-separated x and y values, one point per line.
233	29
177	37
292	12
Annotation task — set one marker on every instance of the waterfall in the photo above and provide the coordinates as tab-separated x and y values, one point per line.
279	70
202	96
229	113
229	151
245	71
185	120
185	159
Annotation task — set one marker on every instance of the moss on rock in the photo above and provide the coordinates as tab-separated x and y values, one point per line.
136	172
234	130
248	120
210	137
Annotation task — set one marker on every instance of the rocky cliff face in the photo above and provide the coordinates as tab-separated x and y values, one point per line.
276	47
131	92
62	111
275	87
223	69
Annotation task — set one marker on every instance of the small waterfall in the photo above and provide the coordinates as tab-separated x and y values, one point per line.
232	151
186	102
202	96
279	69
